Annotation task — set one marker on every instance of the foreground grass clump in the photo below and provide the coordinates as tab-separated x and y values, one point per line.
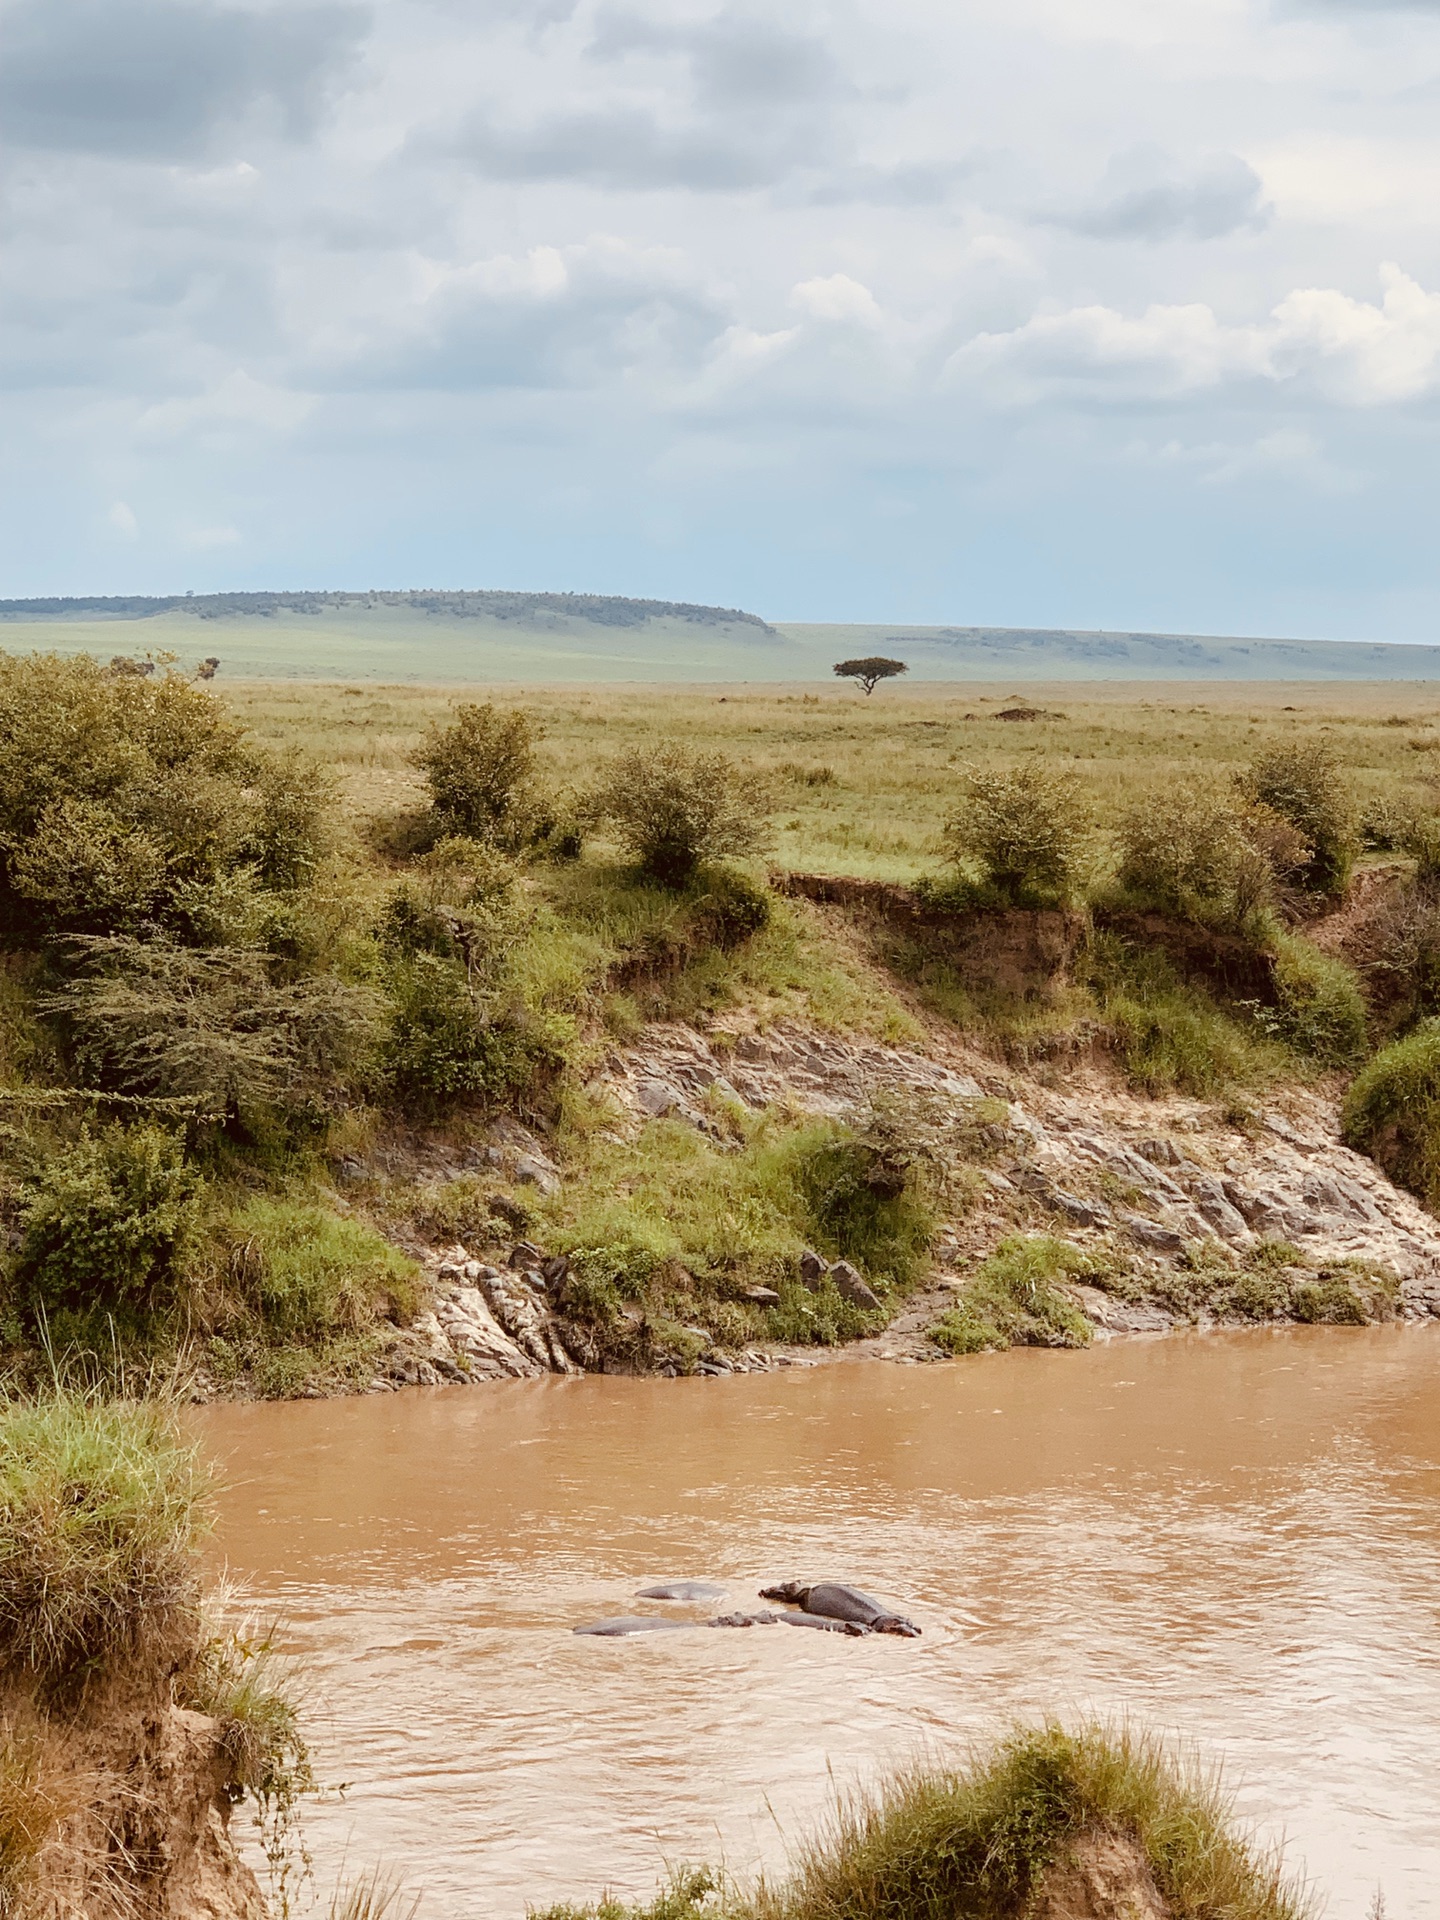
102	1509
1392	1112
1016	1300
979	1842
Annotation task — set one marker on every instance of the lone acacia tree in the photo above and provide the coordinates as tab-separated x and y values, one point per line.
870	671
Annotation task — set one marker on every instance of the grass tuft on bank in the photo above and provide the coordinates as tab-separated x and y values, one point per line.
102	1509
984	1841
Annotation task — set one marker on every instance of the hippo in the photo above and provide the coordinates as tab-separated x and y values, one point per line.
637	1623
847	1604
682	1590
767	1618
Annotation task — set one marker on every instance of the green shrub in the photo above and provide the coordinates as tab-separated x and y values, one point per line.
1322	1010
1013	1300
866	1208
102	1508
1392	1112
1170	1036
481	773
211	1026
974	1843
675	810
305	1273
1203	855
443	1043
131	803
1025	829
108	1223
1302	783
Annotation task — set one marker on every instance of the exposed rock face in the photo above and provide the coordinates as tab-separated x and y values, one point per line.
1149	1186
145	1834
1100	1875
1154	1180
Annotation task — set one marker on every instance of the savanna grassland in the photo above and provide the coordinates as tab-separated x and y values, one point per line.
865	786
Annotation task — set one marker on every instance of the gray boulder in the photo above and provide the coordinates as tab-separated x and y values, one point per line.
850	1286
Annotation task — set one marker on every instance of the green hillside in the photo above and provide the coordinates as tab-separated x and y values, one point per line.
537	639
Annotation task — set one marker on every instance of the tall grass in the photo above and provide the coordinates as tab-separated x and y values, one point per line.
102	1507
974	1843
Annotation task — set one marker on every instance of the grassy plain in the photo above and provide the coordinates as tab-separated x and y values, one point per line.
865	786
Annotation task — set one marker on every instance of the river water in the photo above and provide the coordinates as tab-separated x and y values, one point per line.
1234	1538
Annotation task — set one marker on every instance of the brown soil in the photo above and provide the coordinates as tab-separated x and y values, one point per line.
141	1828
1101	1875
1011	949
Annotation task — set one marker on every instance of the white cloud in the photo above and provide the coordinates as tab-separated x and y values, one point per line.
1351	351
122	518
837	298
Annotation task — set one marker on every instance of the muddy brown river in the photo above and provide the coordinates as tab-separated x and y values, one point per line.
1234	1537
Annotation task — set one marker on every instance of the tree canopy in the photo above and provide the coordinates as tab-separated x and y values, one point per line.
871	670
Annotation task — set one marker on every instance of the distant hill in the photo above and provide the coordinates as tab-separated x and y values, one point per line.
523	609
482	638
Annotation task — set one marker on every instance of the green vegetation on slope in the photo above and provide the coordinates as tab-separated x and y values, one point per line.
224	972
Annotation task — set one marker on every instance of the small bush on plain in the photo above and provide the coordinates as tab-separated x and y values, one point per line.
1025	830
1201	854
1303	784
481	773
674	810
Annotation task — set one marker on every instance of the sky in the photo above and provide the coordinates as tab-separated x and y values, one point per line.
1081	313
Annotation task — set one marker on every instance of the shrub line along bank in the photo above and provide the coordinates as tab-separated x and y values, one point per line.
218	989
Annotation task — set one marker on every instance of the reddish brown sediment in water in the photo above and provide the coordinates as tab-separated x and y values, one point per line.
1234	1537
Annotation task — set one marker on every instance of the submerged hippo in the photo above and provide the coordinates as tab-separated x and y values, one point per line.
848	1604
767	1618
634	1623
682	1590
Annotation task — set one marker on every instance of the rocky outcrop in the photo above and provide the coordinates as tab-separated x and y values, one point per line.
1147	1183
1150	1188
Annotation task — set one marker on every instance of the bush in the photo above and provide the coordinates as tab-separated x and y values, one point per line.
209	1026
1322	1011
132	803
1025	829
481	772
1170	1036
1013	1300
463	902
868	1207
102	1507
1198	853
674	810
444	1044
306	1274
1301	782
974	1844
108	1224
1392	1112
